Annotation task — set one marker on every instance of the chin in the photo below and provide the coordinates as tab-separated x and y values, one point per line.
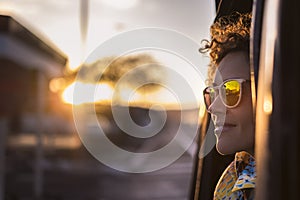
224	150
221	151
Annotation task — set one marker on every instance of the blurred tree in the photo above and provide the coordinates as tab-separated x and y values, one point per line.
134	70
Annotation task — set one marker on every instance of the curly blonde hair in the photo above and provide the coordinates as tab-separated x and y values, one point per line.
228	33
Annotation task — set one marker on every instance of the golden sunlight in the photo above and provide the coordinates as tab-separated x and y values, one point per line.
128	95
104	92
88	93
268	103
57	84
7	7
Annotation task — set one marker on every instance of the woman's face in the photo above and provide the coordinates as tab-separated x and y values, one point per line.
234	127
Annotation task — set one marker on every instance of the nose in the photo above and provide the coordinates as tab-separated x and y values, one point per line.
217	107
218	111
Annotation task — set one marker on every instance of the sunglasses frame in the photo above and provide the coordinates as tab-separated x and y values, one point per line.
218	89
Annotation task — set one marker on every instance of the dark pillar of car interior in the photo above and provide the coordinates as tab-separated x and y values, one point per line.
278	174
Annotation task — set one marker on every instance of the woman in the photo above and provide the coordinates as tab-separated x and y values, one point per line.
228	100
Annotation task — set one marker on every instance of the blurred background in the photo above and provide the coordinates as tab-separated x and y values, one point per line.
43	48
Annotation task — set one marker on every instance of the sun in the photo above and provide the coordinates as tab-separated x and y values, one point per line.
87	93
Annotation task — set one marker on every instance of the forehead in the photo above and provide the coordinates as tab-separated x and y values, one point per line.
233	65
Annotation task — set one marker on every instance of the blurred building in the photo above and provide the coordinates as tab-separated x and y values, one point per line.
28	62
41	156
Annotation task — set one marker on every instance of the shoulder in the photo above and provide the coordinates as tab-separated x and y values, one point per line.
240	175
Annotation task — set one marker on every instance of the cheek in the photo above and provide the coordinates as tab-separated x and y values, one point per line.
245	110
245	113
246	124
246	121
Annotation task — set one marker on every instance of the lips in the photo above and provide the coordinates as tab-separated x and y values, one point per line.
227	127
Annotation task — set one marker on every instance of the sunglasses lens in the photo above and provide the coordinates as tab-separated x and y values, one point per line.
231	92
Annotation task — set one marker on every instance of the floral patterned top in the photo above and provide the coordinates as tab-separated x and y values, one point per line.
239	176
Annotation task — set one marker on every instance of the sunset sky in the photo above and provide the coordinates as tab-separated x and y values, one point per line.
59	21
